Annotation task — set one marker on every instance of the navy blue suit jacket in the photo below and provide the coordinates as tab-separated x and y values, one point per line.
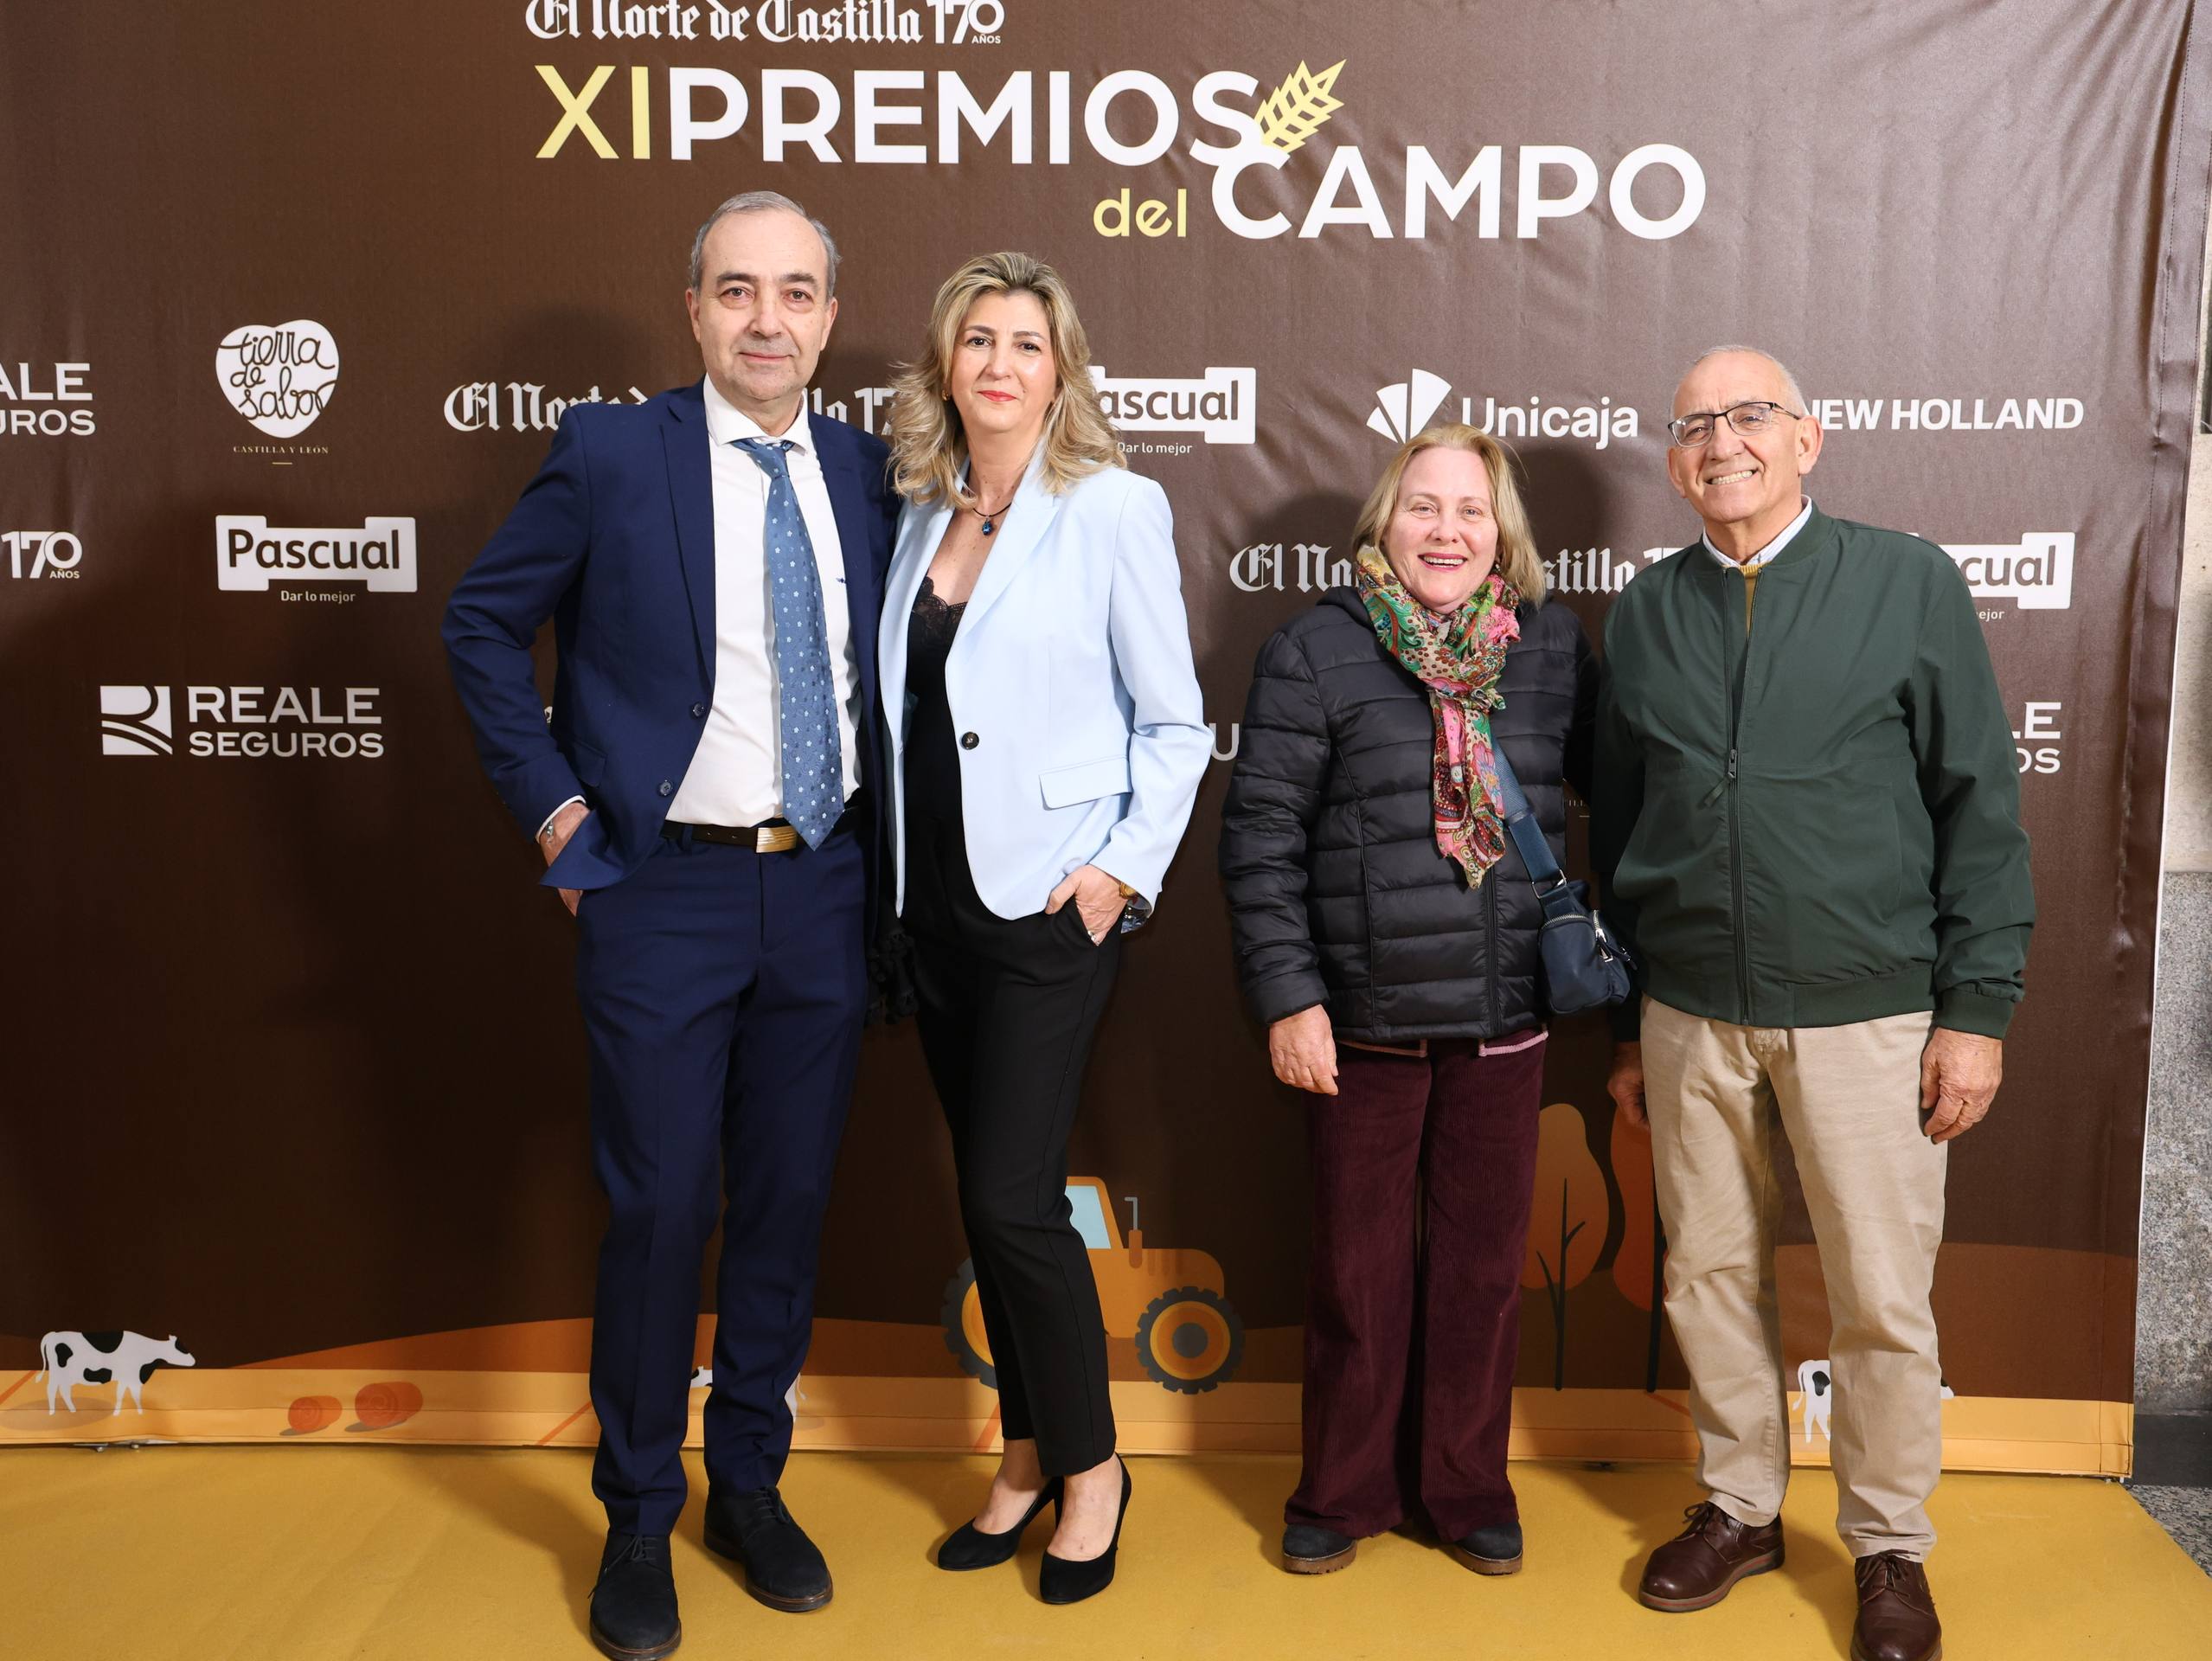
614	540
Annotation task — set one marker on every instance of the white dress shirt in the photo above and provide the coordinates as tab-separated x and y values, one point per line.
1805	512
736	775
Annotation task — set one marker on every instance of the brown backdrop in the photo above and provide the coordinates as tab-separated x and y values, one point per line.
292	1058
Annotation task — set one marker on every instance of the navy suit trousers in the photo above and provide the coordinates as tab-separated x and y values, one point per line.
722	993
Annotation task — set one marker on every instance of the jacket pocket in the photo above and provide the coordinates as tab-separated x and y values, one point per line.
589	765
1675	870
1086	782
1824	876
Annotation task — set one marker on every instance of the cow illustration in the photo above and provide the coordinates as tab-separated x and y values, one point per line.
126	1360
1817	1385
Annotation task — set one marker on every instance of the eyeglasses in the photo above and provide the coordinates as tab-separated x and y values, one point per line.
1749	419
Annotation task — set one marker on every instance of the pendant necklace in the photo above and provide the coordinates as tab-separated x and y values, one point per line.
990	517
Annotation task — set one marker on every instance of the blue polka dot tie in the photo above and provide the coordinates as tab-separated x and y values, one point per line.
814	794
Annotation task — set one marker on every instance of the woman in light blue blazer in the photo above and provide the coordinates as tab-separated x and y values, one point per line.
1047	741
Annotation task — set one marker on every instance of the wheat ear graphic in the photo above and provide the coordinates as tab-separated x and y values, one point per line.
1296	110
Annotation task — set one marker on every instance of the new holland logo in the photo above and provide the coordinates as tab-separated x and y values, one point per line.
137	720
1405	408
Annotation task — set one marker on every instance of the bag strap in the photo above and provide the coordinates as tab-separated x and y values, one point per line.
1528	836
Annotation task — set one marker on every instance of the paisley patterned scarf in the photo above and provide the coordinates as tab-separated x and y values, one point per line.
1457	658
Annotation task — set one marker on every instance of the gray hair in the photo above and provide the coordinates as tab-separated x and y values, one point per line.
1788	379
762	202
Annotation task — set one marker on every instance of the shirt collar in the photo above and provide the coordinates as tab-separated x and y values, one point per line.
727	423
1805	512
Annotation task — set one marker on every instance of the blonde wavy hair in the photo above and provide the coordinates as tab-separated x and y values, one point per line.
1517	544
928	446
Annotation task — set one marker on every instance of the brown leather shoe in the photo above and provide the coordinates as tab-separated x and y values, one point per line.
1896	1611
1695	1568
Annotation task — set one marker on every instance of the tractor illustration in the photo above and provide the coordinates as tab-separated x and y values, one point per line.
1170	1301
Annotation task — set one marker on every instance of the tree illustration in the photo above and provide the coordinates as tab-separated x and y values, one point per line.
1567	1229
1639	1266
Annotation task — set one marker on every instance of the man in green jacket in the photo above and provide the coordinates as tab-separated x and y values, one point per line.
1806	821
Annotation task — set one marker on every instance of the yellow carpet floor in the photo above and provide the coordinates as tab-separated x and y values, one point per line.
297	1554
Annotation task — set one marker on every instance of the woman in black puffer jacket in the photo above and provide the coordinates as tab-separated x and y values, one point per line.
1386	932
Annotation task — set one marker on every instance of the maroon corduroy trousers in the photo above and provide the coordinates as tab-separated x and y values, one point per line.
1423	1172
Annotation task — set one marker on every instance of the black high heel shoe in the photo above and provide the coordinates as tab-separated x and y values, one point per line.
970	1547
1063	1581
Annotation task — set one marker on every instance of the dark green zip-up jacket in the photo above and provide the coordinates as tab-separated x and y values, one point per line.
1815	821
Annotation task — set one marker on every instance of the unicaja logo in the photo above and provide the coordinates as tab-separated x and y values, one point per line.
136	721
1405	408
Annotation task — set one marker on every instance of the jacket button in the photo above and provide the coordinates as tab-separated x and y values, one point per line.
698	711
667	789
969	740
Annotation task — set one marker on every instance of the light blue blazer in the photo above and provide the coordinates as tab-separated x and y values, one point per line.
1072	670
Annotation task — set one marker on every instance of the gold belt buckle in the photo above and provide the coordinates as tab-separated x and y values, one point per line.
774	839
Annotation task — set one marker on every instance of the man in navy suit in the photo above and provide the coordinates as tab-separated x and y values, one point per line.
713	562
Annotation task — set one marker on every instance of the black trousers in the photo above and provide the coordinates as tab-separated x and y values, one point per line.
1008	1009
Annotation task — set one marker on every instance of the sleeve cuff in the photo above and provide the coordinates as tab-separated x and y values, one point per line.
1963	1010
1286	995
572	801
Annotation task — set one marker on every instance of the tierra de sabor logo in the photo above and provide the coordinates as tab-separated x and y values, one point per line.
252	554
1405	408
279	722
1260	138
32	396
278	376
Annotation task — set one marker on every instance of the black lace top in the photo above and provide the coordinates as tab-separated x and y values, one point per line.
932	759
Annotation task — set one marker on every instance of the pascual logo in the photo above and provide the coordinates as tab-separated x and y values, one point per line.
1405	408
250	554
136	721
1218	405
1125	117
278	377
47	384
1280	566
2036	572
282	723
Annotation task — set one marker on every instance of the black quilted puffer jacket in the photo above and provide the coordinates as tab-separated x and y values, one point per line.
1338	891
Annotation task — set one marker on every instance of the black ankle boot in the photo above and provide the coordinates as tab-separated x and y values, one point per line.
1062	1580
970	1547
634	1604
1494	1550
1309	1548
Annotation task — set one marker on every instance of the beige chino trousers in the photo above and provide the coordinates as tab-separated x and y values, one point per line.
1849	1100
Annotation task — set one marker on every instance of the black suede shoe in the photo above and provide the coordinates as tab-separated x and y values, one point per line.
1495	1550
634	1604
1063	1580
1309	1548
783	1569
969	1547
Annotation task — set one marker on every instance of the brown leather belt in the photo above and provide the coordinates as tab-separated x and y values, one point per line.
772	837
769	837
